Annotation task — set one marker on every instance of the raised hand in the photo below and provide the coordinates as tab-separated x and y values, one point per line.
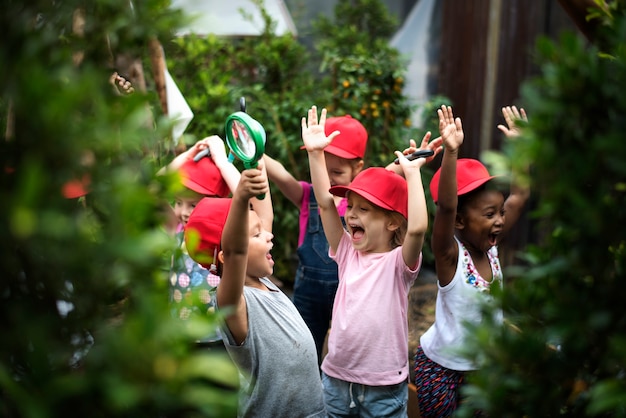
122	86
253	182
411	148
217	148
511	116
451	129
313	134
407	164
434	145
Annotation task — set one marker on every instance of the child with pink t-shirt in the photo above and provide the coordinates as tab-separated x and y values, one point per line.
316	277
379	256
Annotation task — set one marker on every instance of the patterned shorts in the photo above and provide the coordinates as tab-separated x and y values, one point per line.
437	387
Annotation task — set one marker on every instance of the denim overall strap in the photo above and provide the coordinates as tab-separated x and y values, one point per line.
316	278
314	222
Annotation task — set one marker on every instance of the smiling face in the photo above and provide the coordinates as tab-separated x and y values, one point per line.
371	227
480	220
341	171
184	204
260	262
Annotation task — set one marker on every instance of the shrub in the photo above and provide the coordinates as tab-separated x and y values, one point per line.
563	352
83	294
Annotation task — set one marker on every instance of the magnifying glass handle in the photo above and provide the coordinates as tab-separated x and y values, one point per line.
254	165
204	153
242	104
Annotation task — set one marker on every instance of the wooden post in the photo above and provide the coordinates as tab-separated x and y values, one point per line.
491	74
157	58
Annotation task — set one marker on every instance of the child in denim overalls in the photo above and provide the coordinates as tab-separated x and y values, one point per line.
316	277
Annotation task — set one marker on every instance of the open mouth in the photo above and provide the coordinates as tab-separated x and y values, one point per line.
357	232
493	239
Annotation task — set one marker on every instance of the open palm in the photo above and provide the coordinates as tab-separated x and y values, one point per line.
313	133
451	129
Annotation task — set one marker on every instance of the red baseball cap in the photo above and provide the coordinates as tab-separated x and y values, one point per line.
470	175
380	186
204	177
352	140
203	232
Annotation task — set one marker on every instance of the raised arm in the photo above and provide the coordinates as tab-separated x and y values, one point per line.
520	192
287	184
417	210
444	247
264	207
236	236
315	140
229	172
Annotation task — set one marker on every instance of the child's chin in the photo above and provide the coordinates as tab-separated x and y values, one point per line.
265	273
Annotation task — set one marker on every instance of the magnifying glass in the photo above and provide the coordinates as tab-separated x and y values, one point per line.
246	139
207	152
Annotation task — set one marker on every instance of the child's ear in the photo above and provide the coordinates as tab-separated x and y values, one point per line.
392	225
220	257
357	167
459	222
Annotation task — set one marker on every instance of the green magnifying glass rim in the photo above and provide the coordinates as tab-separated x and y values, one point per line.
256	132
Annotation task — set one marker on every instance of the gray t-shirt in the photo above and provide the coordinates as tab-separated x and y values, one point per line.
278	368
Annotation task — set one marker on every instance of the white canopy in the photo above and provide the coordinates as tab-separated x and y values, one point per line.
413	41
222	17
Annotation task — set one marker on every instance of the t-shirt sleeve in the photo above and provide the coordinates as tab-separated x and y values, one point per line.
344	244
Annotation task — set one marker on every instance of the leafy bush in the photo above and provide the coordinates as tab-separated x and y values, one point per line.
83	294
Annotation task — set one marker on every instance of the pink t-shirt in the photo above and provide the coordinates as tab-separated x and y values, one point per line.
304	210
369	338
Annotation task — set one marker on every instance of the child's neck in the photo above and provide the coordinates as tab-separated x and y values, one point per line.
256	283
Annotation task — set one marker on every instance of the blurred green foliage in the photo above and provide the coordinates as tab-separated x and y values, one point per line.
360	75
563	352
83	292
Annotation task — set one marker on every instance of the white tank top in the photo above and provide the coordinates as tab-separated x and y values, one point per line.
457	303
